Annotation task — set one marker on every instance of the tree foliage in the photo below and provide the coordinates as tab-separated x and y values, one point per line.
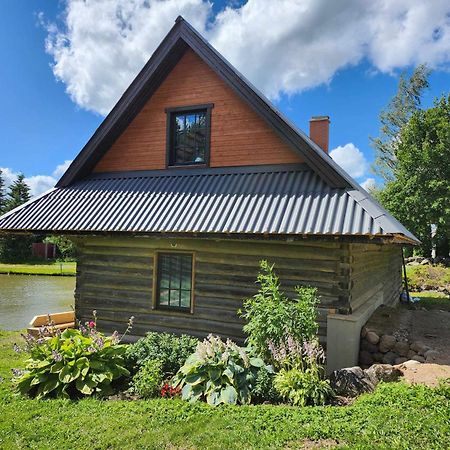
18	194
419	194
2	194
14	248
402	106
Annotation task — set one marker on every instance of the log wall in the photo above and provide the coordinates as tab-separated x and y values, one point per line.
115	278
374	269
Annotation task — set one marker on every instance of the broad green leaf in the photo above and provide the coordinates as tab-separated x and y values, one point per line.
229	395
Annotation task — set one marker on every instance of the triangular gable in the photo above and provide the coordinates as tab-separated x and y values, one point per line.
238	135
163	60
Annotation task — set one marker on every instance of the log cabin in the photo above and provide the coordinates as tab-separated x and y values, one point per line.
191	180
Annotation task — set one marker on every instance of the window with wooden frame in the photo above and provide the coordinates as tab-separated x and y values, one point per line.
174	281
188	135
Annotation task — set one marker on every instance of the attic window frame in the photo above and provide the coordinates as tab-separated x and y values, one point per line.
170	113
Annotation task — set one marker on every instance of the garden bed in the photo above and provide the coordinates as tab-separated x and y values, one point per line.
394	416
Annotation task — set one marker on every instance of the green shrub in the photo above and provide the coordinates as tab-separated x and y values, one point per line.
148	380
270	315
171	350
72	364
302	387
264	389
218	372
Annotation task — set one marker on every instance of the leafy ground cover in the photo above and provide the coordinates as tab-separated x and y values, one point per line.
428	277
395	416
53	268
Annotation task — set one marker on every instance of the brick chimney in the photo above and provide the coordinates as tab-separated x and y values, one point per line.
319	131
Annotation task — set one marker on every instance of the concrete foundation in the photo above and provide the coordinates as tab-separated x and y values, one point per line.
343	334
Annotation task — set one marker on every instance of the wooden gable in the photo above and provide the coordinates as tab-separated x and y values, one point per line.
239	136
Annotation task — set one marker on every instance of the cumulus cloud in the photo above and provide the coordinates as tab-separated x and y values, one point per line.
282	46
61	168
369	184
351	159
37	183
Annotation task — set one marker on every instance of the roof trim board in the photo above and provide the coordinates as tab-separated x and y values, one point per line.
180	37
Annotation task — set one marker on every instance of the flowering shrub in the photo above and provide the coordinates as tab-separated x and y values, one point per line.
169	391
148	379
171	350
218	372
76	362
300	377
271	315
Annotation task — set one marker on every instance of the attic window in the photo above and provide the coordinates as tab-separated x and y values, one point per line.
188	135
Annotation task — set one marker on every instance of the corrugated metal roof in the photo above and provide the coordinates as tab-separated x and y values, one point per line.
273	200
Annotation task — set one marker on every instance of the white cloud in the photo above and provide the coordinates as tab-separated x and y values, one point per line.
61	168
351	159
369	184
282	46
37	183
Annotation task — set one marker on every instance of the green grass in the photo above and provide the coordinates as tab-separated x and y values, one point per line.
394	417
431	277
53	268
433	300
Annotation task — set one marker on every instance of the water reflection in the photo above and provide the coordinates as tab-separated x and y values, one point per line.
25	296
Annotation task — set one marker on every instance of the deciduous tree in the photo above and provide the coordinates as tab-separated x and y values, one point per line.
419	194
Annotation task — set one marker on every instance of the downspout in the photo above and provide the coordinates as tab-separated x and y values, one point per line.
405	279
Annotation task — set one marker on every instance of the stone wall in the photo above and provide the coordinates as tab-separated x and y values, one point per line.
391	348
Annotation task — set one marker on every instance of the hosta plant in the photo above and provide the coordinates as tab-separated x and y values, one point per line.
300	379
74	363
218	372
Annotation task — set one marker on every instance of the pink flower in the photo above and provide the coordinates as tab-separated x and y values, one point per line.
91	324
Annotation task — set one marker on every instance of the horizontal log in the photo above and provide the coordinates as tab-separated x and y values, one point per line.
264	249
120	272
113	292
158	241
189	322
119	261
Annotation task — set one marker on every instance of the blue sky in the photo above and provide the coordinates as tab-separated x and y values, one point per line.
46	121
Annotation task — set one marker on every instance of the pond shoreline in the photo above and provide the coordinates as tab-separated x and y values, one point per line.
64	269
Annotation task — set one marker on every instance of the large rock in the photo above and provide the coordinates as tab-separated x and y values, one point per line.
389	358
431	356
418	358
411	354
377	357
382	372
387	343
365	358
402	348
419	347
372	337
366	345
350	382
400	360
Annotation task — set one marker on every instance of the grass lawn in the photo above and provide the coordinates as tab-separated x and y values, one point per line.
394	417
433	300
53	268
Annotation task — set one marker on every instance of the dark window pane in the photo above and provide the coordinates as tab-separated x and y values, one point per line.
188	138
174	283
185	299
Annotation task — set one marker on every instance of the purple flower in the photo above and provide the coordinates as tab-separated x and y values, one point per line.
17	372
56	356
16	348
99	342
115	337
91	349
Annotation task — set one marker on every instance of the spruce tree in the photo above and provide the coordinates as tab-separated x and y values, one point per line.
19	193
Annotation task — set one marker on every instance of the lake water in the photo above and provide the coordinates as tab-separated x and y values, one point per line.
24	296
